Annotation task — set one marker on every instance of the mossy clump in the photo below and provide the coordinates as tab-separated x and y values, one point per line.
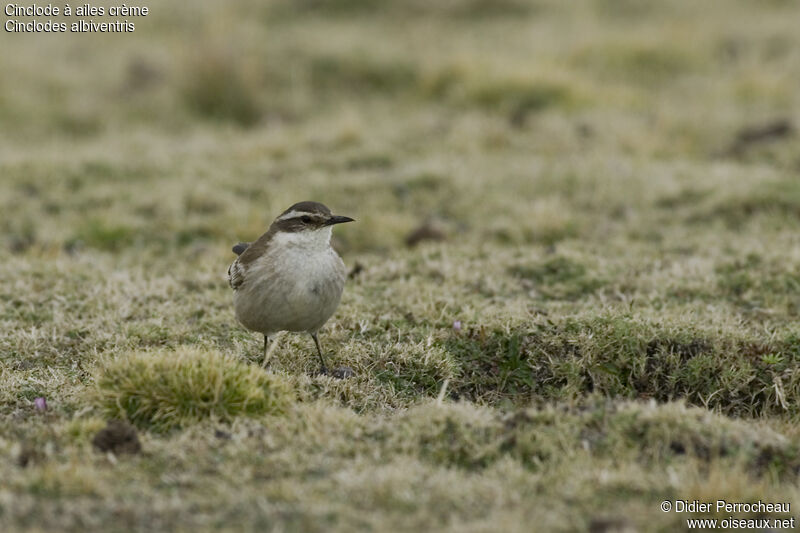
167	389
628	358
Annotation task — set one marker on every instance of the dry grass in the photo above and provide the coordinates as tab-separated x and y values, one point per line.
612	307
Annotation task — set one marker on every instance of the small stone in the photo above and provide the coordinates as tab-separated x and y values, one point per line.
222	435
117	437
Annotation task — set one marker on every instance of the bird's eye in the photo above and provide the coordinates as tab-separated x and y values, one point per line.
306	219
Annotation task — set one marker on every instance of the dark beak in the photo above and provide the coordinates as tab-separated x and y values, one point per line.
336	219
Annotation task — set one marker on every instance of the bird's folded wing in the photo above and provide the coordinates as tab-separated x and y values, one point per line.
248	252
236	275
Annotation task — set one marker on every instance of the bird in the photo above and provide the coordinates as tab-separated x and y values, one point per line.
290	278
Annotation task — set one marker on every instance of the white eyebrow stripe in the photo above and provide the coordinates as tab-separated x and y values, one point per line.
291	214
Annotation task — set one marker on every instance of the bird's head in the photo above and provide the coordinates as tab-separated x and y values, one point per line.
307	223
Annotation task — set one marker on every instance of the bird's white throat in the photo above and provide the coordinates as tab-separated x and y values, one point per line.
318	240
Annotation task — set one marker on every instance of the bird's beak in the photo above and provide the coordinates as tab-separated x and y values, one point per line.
336	219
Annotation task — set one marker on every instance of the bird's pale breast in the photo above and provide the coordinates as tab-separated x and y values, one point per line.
290	288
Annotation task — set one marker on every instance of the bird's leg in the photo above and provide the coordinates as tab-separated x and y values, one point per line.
266	343
324	369
270	343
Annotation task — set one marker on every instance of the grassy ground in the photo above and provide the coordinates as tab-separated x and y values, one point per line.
607	316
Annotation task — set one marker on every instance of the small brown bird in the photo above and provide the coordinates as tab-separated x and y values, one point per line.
290	278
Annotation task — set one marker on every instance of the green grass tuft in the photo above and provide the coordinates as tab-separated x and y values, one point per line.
164	390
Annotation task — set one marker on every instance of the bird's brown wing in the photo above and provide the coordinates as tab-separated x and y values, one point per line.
247	252
257	248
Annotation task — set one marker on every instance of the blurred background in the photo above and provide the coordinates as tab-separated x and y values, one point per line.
591	203
484	121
